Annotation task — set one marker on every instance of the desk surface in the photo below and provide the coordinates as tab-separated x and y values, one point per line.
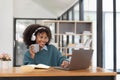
17	72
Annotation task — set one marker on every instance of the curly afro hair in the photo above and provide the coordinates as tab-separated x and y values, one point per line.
28	32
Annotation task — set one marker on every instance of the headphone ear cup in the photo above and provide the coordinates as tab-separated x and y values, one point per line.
33	37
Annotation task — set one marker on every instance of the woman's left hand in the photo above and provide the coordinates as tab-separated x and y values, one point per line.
65	64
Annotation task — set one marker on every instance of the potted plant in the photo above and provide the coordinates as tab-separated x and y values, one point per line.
5	58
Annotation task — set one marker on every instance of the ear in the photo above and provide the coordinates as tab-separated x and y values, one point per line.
33	37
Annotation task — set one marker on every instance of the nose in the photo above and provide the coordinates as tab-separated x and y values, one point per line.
43	39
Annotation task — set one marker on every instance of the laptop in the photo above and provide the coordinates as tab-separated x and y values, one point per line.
80	59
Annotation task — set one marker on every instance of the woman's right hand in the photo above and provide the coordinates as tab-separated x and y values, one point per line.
32	52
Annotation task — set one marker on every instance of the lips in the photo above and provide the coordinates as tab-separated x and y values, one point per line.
41	43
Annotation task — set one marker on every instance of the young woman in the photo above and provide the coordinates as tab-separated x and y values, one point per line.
47	54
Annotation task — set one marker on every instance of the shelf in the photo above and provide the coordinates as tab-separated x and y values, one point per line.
70	32
75	34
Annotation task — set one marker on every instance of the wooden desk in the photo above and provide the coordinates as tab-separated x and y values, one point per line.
53	74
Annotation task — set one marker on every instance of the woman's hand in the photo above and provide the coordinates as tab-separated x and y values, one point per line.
32	52
65	64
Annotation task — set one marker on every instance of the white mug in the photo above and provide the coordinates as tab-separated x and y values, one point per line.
35	47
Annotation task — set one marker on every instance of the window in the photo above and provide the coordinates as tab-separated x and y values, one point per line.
90	15
76	12
117	35
20	47
108	40
70	15
108	34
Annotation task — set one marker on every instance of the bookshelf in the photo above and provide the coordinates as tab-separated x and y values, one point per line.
68	35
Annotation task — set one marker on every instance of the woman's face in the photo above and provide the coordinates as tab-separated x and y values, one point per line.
42	39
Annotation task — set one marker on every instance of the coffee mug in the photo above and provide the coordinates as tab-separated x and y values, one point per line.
35	47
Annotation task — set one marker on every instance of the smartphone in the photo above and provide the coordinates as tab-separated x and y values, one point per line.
35	47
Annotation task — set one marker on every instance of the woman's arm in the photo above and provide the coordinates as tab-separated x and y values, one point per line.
28	59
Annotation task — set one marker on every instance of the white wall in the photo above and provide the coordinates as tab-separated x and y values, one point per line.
30	9
6	26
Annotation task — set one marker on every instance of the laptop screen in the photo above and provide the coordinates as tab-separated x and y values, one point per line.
81	59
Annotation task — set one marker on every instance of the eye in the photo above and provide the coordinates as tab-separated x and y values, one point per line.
46	37
41	36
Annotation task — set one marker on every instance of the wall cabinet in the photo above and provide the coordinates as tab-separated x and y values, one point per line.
68	35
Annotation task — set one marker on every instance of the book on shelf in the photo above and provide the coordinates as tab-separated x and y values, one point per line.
69	33
87	43
77	39
86	36
71	45
64	40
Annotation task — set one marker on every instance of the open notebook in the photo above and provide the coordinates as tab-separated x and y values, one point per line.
80	59
38	66
31	67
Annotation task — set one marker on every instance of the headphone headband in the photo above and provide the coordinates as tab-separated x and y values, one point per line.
33	35
39	29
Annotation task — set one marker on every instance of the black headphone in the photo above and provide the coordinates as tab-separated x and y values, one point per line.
33	35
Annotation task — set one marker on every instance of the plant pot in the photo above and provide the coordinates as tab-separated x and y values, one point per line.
4	64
